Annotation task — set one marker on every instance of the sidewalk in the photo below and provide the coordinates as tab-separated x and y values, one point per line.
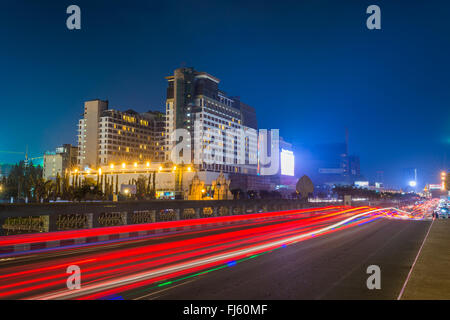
430	278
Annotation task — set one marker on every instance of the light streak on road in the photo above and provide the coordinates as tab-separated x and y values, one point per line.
110	270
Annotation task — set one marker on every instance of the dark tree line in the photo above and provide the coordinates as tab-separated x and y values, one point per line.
356	192
255	194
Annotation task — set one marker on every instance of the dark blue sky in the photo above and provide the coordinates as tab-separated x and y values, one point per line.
310	68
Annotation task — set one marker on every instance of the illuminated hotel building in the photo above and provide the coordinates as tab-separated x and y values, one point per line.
194	102
108	136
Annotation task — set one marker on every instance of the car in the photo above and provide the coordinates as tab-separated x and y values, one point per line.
444	213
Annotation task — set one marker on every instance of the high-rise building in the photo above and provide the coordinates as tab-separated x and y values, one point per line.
64	157
329	164
353	168
214	121
108	136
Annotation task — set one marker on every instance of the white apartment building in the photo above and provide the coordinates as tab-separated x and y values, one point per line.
108	136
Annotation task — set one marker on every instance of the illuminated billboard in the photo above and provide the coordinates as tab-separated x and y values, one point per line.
361	184
287	162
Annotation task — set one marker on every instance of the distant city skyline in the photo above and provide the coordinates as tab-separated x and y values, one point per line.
309	72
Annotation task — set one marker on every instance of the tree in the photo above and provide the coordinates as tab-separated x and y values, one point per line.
148	190
154	186
41	188
236	193
264	194
252	194
304	187
19	183
140	187
58	185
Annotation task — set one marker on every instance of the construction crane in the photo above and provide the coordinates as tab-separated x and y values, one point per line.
13	152
27	160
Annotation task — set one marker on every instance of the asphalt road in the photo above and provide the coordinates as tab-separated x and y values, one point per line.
328	267
321	266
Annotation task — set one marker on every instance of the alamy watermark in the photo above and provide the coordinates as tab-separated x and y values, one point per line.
73	22
374	280
74	280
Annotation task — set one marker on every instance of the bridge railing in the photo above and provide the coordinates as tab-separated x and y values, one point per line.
35	218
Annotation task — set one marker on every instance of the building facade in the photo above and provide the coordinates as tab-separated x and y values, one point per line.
107	136
57	162
222	129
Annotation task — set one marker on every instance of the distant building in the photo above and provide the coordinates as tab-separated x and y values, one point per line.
5	169
329	164
353	167
64	157
409	179
108	136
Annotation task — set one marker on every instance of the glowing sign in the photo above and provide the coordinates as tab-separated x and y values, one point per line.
287	162
361	184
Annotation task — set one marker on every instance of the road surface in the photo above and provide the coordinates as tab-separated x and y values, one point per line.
318	254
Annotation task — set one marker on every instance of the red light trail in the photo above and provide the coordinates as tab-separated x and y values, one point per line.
112	269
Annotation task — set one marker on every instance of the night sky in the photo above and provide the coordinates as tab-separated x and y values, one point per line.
310	68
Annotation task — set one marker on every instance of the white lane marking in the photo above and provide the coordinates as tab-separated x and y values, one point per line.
159	291
414	263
